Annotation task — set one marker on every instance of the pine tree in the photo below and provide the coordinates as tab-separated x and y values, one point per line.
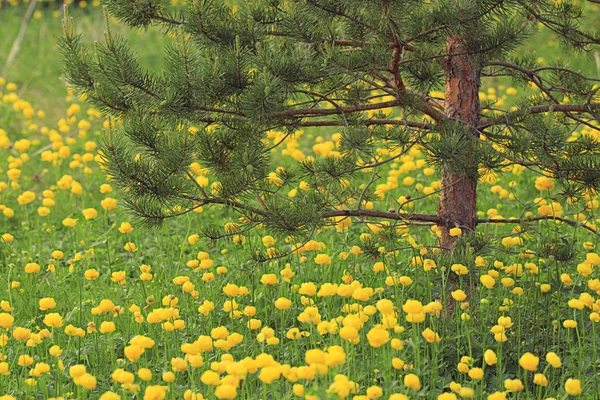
234	74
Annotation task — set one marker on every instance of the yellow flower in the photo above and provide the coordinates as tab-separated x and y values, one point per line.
490	357
91	274
77	371
544	183
155	392
540	379
55	351
570	323
412	381
210	378
431	336
168	376
107	327
283	303
87	381
109	204
6	320
513	385
109	396
476	373
374	392
412	307
145	374
553	359
269	279
455	232
54	320
459	295
31	268
322	259
488	281
446	396
268	241
529	362
133	352
459	269
573	386
69	222
226	392
47	303
231	289
350	334
378	336
130	247
89	213
125	227
118	277
57	254
21	333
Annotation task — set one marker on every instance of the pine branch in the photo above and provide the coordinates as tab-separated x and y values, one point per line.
562	108
419	219
535	219
368	122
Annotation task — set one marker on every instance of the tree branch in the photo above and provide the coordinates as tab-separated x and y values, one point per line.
368	122
418	219
534	219
564	108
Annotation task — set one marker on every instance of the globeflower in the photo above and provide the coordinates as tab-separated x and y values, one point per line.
283	303
130	247
109	204
268	279
412	381
455	232
125	227
513	385
89	213
431	336
47	303
573	386
6	320
490	357
69	222
21	333
529	362
570	323
544	183
459	295
226	392
378	336
133	352
54	320
118	277
31	268
553	359
322	259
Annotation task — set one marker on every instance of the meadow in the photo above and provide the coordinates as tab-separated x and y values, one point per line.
95	306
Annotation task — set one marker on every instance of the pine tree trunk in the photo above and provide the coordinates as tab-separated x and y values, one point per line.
458	202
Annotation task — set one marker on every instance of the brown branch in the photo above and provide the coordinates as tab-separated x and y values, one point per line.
563	108
308	112
368	122
159	17
557	27
419	219
534	219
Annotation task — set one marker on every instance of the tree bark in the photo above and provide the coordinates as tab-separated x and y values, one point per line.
458	198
